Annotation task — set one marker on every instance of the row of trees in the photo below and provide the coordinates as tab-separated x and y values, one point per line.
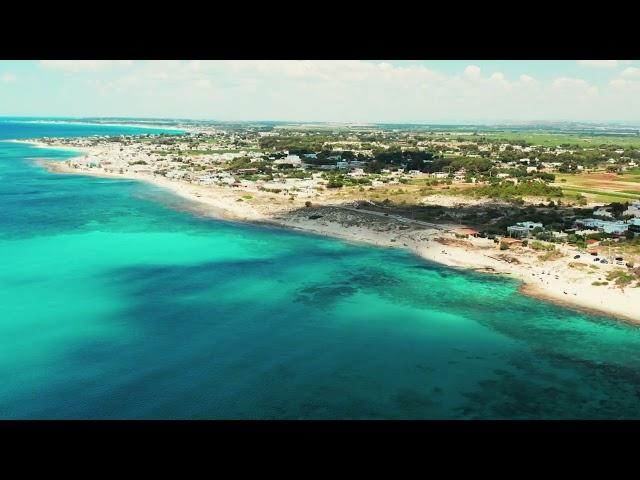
509	190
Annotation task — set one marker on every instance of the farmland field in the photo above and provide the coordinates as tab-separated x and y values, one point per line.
555	139
600	187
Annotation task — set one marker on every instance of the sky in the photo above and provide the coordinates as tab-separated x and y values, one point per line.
371	91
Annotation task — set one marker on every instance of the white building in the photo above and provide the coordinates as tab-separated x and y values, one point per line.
591	222
634	209
585	232
606	226
523	229
603	212
618	227
551	164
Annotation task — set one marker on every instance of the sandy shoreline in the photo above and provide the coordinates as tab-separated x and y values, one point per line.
554	281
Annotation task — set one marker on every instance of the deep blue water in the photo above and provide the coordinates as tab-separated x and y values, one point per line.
117	302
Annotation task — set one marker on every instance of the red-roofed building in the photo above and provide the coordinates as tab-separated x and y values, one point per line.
466	232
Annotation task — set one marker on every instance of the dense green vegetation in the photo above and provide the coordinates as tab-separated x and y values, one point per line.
338	180
511	191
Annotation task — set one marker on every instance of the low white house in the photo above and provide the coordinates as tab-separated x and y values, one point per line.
289	160
606	226
619	227
585	232
633	209
602	212
523	229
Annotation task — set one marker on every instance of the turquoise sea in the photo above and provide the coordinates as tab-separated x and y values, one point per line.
118	302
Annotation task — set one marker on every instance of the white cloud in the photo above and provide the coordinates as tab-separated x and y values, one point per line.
631	72
599	63
527	80
84	65
574	85
8	77
343	90
619	83
472	71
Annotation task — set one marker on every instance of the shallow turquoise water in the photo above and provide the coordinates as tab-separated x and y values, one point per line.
117	302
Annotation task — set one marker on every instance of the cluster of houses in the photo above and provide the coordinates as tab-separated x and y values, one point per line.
614	227
586	226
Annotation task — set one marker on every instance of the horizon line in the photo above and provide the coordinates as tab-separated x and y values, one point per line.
331	122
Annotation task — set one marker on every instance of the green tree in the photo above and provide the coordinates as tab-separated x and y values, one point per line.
617	208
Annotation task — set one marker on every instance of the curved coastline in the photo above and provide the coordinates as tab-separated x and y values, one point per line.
219	203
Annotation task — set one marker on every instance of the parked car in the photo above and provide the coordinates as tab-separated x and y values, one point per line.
603	261
596	259
577	256
594	253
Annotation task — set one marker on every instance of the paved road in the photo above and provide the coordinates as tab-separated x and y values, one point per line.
396	217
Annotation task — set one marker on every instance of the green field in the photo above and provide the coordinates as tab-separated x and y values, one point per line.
604	196
554	139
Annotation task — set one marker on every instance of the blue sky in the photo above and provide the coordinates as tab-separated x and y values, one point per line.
434	91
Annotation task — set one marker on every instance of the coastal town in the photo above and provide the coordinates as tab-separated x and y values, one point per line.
306	240
561	216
